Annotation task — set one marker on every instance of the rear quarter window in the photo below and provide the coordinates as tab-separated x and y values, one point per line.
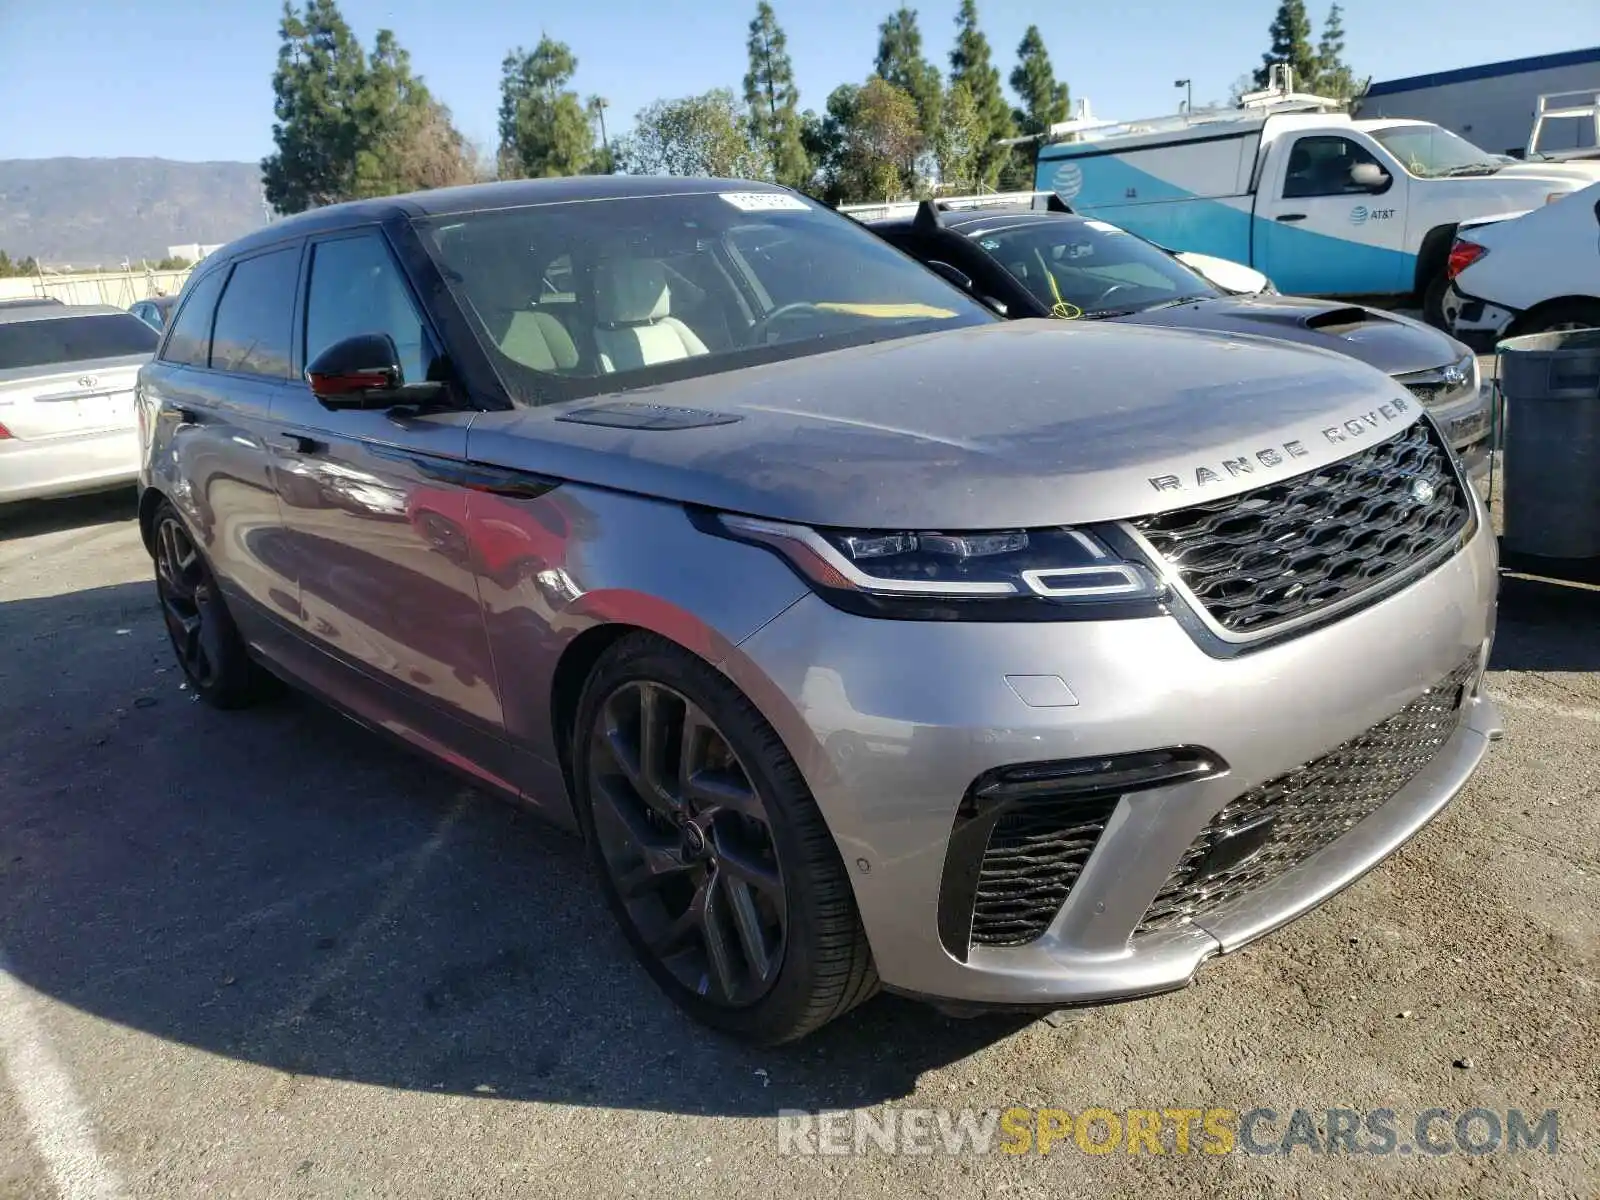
255	317
73	339
189	343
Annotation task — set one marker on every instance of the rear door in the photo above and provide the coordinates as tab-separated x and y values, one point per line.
1319	232
68	376
209	397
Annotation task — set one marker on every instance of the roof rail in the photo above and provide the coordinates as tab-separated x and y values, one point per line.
944	204
1278	96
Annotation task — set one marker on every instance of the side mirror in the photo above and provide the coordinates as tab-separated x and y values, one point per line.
953	274
358	372
1369	177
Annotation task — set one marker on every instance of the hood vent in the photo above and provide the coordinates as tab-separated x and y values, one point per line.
1342	320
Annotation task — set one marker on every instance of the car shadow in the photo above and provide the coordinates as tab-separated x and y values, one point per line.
283	887
30	518
1546	624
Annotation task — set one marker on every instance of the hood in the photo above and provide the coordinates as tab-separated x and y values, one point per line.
1004	425
1395	345
1575	173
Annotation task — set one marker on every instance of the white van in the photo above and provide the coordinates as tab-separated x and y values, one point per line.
1321	203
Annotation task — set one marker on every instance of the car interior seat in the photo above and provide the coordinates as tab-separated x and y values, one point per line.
635	326
524	335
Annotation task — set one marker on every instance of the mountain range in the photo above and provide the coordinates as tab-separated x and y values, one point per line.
84	211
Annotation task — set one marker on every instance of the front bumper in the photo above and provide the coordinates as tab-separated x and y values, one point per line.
67	465
890	722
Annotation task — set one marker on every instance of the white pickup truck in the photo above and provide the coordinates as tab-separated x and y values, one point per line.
1322	203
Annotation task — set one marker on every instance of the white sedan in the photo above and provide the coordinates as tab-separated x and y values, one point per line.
1531	272
67	421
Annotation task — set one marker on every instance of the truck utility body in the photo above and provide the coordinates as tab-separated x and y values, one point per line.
1322	203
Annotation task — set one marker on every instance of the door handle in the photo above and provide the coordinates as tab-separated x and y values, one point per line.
299	443
1292	217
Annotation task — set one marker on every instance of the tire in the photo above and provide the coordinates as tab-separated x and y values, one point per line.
676	866
1568	314
1433	302
204	639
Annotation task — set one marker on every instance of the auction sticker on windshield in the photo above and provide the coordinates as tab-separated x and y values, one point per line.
764	201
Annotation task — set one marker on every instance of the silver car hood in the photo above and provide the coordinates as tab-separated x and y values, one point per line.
1021	423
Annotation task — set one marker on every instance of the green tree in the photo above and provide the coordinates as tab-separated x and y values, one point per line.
317	88
703	135
545	129
824	136
1333	76
900	63
970	65
1291	43
350	124
1044	101
604	161
774	101
880	141
958	145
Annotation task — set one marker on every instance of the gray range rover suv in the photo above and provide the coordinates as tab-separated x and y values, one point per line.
866	638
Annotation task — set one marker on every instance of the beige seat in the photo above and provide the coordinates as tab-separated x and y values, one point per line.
538	340
636	327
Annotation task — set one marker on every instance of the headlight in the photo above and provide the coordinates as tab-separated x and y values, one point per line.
1010	574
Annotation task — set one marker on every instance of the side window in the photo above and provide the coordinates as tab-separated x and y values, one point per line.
357	288
254	319
1321	166
189	344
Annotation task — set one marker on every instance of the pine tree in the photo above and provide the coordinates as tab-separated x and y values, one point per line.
970	65
1044	101
317	86
545	130
1333	76
900	64
350	124
773	100
1291	43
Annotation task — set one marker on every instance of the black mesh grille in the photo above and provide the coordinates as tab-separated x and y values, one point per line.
1290	818
1287	549
1034	856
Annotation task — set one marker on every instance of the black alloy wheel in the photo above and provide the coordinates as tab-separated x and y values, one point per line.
687	841
711	850
207	644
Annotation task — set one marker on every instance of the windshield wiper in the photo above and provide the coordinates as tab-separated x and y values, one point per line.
1483	168
1103	314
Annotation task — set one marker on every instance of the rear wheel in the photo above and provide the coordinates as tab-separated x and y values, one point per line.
1433	301
1569	314
711	852
204	639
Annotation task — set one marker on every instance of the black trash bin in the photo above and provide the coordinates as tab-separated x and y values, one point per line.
1551	385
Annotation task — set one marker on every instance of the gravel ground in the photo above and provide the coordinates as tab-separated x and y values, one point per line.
265	955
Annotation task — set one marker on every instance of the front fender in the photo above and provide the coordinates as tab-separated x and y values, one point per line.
578	558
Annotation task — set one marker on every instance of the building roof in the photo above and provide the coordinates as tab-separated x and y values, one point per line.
1514	66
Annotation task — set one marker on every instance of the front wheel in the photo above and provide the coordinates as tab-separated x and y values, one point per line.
711	852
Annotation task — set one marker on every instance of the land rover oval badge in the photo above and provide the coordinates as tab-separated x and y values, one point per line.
1422	491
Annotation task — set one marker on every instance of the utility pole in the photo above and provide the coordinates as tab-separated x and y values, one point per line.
1188	84
598	105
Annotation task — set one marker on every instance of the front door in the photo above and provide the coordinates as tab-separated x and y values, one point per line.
377	521
1320	232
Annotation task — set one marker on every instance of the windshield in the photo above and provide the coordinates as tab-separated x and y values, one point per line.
603	295
61	340
1092	269
1429	152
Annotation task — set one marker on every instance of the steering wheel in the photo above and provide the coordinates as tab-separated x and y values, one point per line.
1113	290
758	331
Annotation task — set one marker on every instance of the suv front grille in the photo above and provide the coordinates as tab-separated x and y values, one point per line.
1288	549
1288	819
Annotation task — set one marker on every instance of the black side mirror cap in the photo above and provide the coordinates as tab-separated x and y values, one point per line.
357	372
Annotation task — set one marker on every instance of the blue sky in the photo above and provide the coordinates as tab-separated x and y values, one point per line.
190	79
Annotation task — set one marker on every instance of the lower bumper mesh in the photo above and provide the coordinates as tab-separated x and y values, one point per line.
1276	826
